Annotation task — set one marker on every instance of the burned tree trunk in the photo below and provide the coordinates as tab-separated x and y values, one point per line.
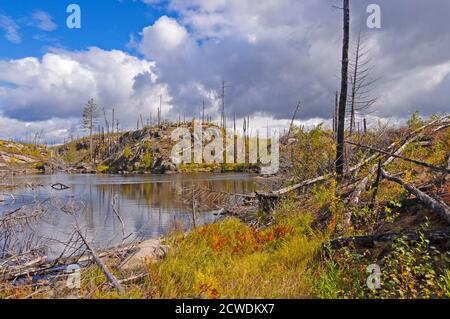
340	161
436	237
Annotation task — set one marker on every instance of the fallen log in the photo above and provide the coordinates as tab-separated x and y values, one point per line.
300	185
267	201
436	238
415	135
430	166
435	204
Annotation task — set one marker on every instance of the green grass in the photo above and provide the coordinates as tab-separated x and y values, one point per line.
230	260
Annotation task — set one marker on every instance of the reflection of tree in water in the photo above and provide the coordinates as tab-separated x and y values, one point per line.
148	205
166	194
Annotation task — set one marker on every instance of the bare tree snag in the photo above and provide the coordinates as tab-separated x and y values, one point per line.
361	85
116	212
293	119
335	114
340	161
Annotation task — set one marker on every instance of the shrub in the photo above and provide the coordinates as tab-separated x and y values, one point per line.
126	152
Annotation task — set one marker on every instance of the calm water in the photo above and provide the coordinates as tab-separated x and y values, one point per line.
148	204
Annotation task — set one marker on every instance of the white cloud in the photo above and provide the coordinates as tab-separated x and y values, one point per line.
10	28
273	53
165	36
43	21
59	84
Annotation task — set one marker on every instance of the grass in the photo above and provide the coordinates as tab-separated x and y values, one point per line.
228	259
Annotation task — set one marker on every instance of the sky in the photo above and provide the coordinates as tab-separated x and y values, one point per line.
271	53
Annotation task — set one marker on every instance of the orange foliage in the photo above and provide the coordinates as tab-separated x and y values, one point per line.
246	240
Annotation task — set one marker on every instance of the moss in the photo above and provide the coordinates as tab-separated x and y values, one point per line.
101	169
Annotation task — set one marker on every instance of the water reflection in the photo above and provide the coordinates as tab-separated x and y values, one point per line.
148	204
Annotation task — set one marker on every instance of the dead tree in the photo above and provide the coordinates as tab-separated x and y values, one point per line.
203	112
223	105
107	129
335	114
430	166
340	160
360	99
159	110
437	205
413	136
293	118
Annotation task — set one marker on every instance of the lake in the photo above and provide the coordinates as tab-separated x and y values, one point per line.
150	205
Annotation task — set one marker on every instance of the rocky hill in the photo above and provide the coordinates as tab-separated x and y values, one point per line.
25	158
147	150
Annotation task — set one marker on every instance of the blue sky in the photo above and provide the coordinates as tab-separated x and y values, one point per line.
271	53
107	24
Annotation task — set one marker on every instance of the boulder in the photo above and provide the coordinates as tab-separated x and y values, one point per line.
147	251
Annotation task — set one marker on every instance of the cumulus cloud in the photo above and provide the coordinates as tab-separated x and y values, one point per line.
59	84
166	36
272	53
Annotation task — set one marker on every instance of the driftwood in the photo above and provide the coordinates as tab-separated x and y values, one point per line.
59	186
45	266
116	212
435	204
102	266
436	237
432	167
